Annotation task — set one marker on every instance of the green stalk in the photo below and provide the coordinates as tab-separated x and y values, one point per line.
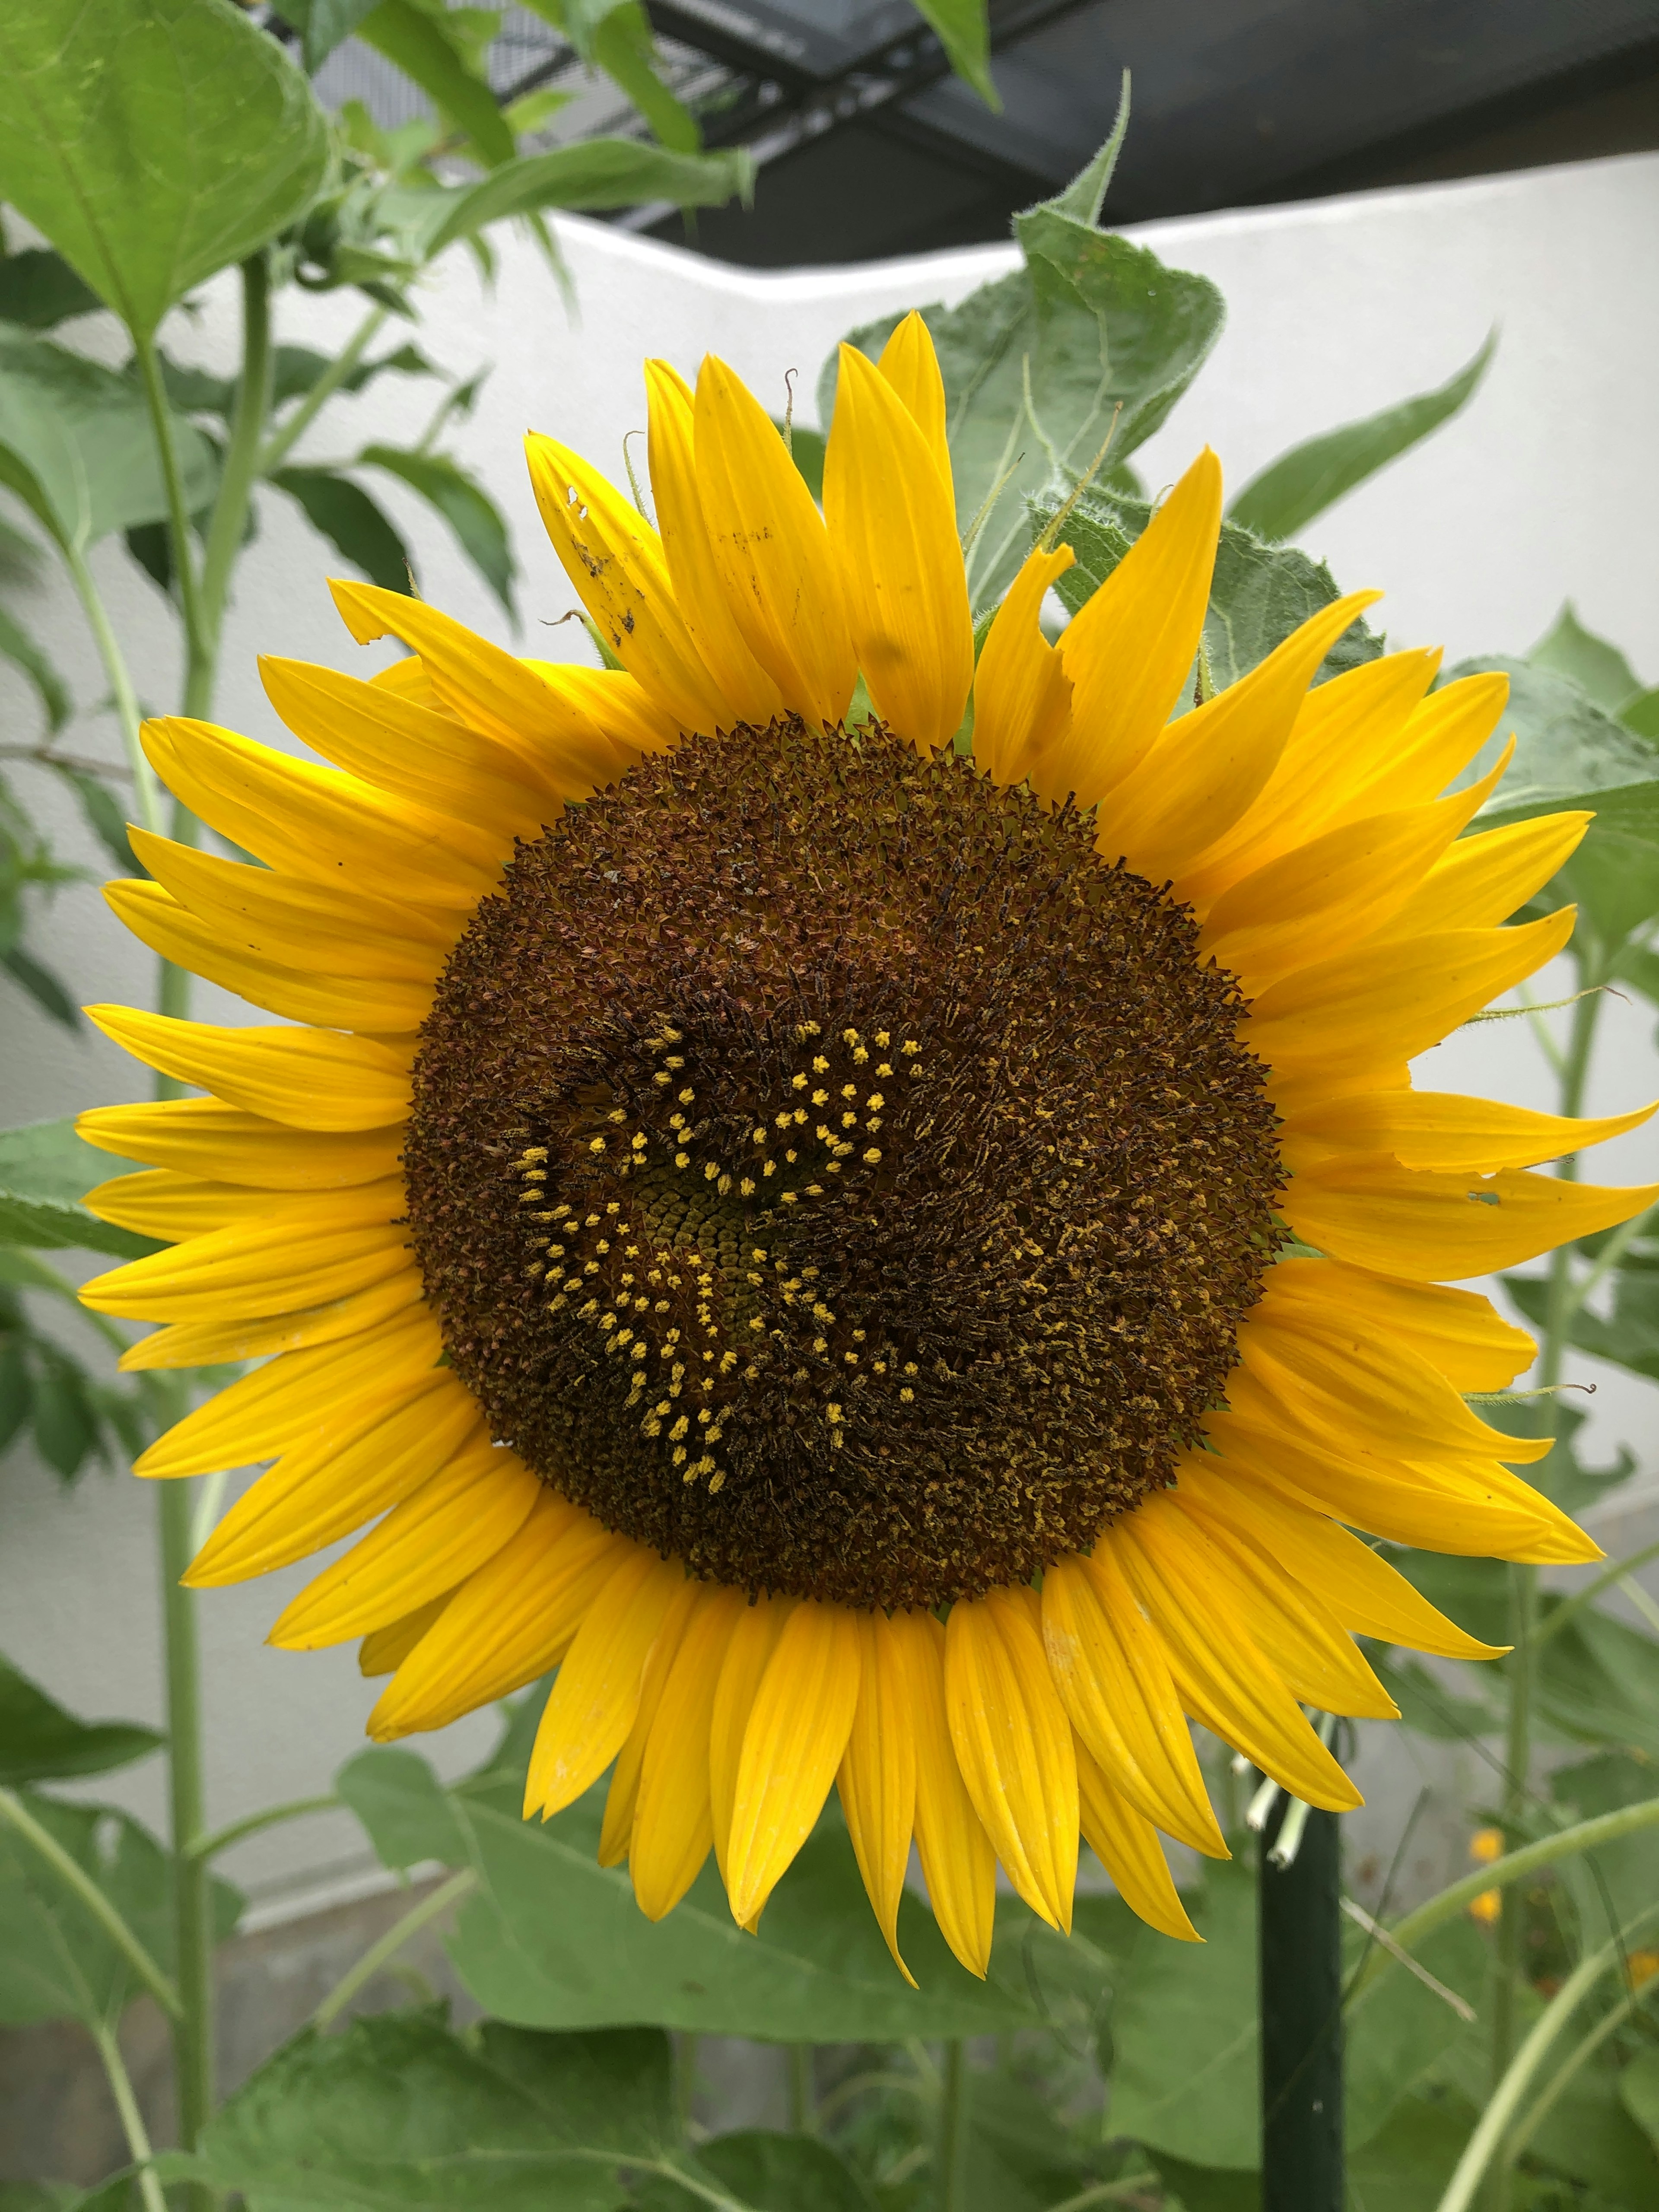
132	2120
418	1917
209	1846
284	440
801	2102
1509	1967
240	475
146	790
167	451
192	1900
952	2192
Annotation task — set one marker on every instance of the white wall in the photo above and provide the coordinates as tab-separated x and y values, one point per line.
1546	489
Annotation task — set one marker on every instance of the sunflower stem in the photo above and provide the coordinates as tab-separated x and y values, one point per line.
953	2130
803	2114
1509	1964
240	473
1300	1939
131	2118
192	2034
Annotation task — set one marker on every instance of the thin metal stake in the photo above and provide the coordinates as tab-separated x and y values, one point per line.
1301	1960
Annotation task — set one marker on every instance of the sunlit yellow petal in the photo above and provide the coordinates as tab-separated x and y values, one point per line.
910	365
893	524
1126	1843
617	1829
1484	879
226	1144
385	1650
1022	694
877	1778
958	1861
673	1814
1457	1331
309	1254
304	1079
798	1729
596	1693
1445	1129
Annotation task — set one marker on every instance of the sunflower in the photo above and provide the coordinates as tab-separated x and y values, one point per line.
889	1260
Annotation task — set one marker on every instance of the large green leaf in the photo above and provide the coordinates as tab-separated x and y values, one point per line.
353	522
55	1962
1258	595
1638	2087
1599	668
75	444
1036	364
1628	1335
1184	2027
1290	491
550	1939
465	506
963	29
397	2115
432	45
38	289
41	1743
1568	754
153	142
765	2172
615	36
45	1169
593	173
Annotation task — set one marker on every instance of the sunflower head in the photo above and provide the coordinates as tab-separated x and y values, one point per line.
892	1259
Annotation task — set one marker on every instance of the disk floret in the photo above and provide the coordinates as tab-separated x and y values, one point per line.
827	1171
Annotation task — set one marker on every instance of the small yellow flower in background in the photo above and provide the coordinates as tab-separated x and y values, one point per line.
1486	1844
1487	1906
1642	1967
788	1225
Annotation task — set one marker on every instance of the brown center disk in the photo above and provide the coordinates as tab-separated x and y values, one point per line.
827	1172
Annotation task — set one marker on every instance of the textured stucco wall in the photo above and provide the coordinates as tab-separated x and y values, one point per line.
1547	488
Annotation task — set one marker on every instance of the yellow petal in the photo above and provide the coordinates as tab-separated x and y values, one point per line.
293	919
1022	694
1366	1208
878	1778
163	1203
892	522
754	1639
615	560
1472	1509
1297	1632
1199	775
1362	1590
615	702
1013	1744
674	1817
1223	1677
1351	1376
910	365
1483	879
488	690
306	1078
225	1143
771	550
414	752
369	1455
318	823
507	1623
1442	737
314	1256
206	1343
798	1730
386	1649
958	1861
1444	1129
748	693
441	1533
617	1827
1344	730
1127	652
304	995
1458	1332
1334	891
1374	1006
1113	1681
1126	1843
294	1398
596	1693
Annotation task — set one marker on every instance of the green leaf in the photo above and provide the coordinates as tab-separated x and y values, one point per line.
764	2172
45	1168
1209	2188
1290	491
615	36
41	1743
806	449
1036	364
465	506
23	652
550	1939
104	817
593	173
51	996
38	289
1568	754
65	1419
1622	1872
326	24
1638	2087
56	1962
75	444
1599	1681
397	2112
1429	1707
962	28
1598	668
1641	715
431	47
352	522
153	142
1628	1335
1258	594
1405	2169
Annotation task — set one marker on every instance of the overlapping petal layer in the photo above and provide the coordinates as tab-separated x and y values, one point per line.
1308	829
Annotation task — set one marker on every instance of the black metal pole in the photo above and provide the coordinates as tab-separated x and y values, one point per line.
1301	1960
